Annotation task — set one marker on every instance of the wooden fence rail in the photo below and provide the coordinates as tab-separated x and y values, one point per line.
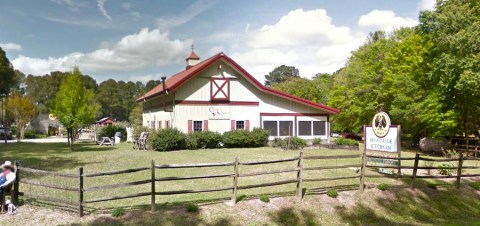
236	176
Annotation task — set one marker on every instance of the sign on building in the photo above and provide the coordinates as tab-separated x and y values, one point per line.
218	112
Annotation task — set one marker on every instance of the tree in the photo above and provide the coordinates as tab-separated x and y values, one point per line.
316	90
454	27
7	74
280	74
23	110
74	104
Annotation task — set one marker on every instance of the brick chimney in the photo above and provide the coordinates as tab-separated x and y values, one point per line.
192	60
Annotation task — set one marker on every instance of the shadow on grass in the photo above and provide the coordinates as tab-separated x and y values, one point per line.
291	217
48	156
445	205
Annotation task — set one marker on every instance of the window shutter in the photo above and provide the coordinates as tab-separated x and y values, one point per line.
190	124
247	124
232	125
205	125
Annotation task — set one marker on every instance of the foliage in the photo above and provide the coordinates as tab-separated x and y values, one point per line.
281	74
382	187
241	197
75	105
23	110
432	185
345	141
168	139
316	90
32	134
244	138
192	208
332	193
264	198
443	169
118	212
136	120
316	141
110	130
204	139
289	143
6	73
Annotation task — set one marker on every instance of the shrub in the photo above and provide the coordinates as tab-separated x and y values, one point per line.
243	138
382	187
295	143
345	141
443	169
110	130
118	212
265	198
332	193
352	136
32	134
316	141
241	197
204	139
192	208
168	139
432	185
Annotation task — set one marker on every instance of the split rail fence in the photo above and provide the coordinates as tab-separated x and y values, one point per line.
299	170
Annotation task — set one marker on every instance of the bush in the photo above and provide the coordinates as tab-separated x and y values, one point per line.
118	212
168	139
192	208
345	141
382	187
265	198
316	141
204	139
241	197
332	193
295	143
443	169
32	134
110	130
243	138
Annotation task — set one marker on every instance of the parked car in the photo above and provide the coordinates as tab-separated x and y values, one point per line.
7	131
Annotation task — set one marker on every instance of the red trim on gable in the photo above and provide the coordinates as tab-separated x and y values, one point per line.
202	102
180	78
291	114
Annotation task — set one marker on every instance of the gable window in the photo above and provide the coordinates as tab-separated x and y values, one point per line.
197	126
220	89
239	124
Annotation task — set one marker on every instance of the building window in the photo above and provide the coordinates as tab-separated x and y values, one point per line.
304	128
148	124
272	127
220	89
159	124
167	124
286	128
197	126
153	125
239	124
319	128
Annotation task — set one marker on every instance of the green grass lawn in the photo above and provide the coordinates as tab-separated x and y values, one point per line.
59	158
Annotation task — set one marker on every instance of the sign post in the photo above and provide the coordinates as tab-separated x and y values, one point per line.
383	139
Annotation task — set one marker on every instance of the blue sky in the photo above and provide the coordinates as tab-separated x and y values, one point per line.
139	40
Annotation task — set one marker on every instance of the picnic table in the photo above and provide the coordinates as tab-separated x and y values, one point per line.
107	141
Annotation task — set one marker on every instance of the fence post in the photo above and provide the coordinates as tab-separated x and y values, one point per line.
362	171
415	168
153	185
16	184
300	177
80	191
235	181
459	170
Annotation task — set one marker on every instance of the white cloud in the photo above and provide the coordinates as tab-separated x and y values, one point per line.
127	5
426	5
147	48
186	15
84	23
306	39
11	46
73	5
385	20
101	7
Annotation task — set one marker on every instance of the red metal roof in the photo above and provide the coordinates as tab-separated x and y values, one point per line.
194	56
182	77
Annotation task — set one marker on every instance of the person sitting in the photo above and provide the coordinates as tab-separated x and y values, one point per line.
7	177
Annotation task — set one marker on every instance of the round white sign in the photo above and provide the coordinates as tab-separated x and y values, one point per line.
381	124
